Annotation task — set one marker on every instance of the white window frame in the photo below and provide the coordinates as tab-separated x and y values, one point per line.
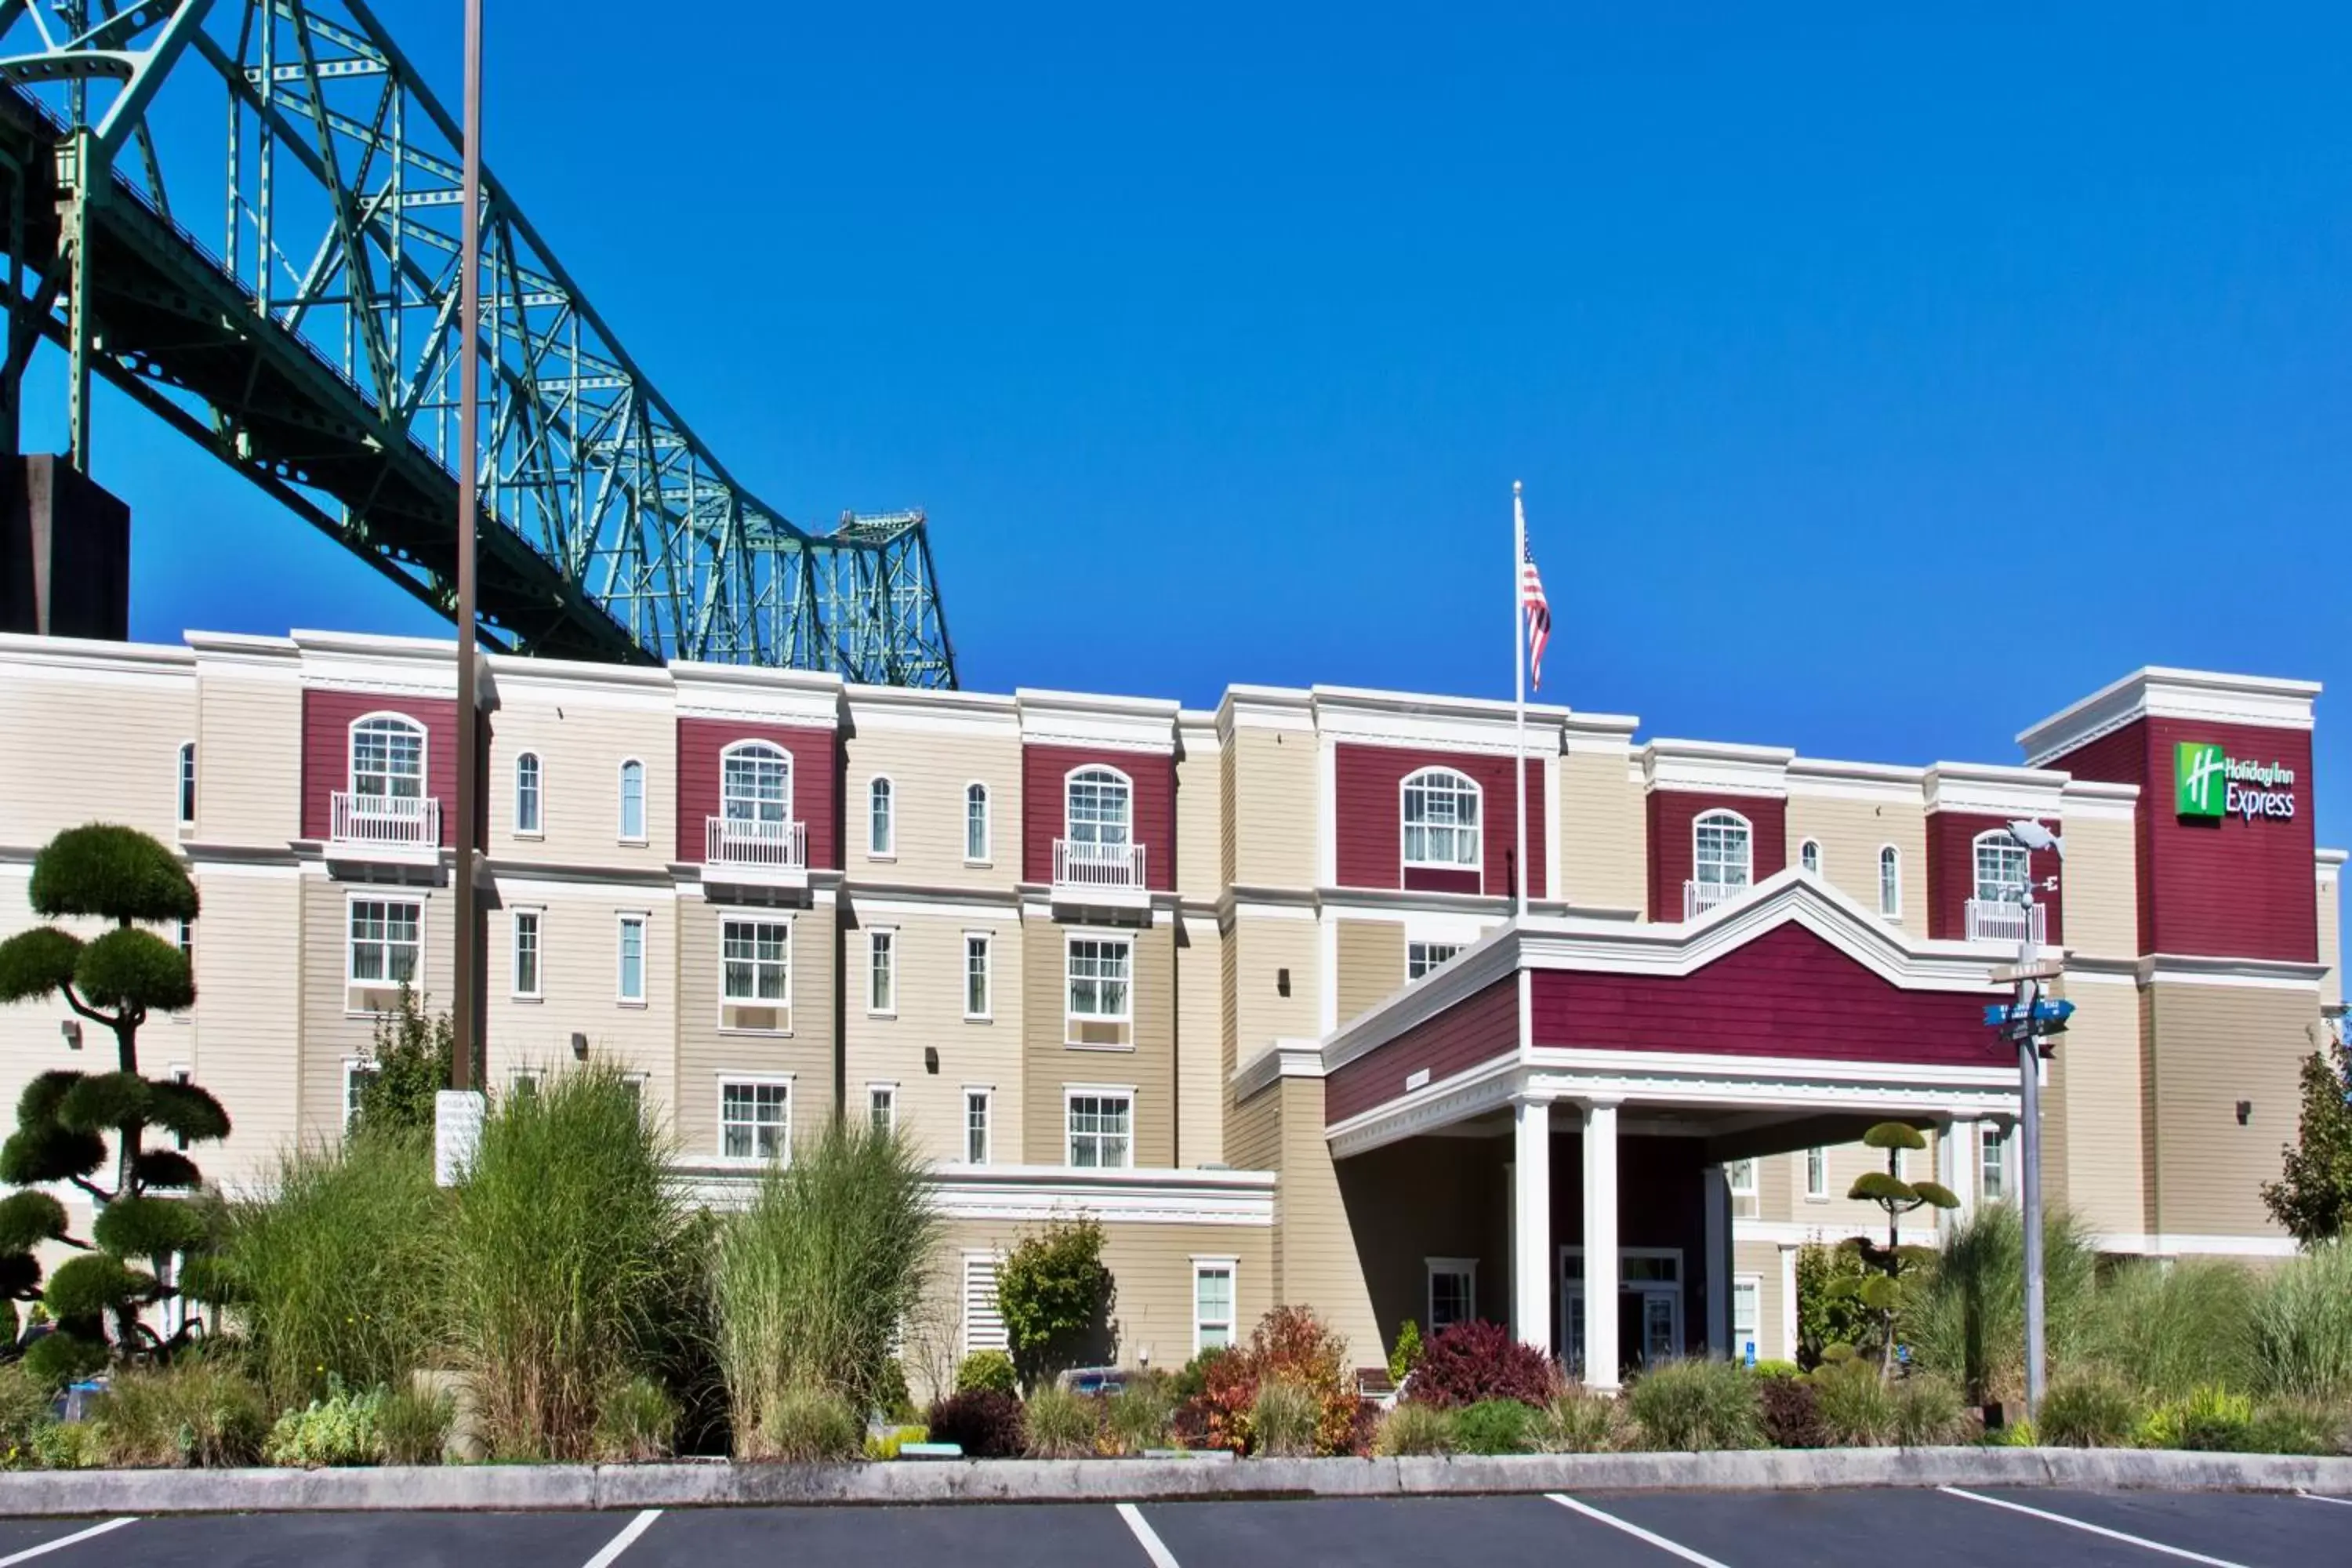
985	1094
538	794
1817	1173
1419	963
354	1069
755	806
881	966
621	802
183	786
882	1096
1098	828
1890	882
881	818
1731	1177
986	975
521	1079
1752	1286
424	754
1453	782
783	1004
535	914
2006	849
1993	1167
1722	820
187	940
386	981
1809	856
1464	1268
1074	1092
622	921
1125	1016
727	1081
986	823
1231	1267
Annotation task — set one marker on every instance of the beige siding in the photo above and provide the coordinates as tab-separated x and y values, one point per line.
1199	835
708	1054
1200	1044
1603	838
91	746
2212	1046
1371	964
1050	1064
1264	947
1781	1187
2102	890
1274	808
580	972
2092	1120
581	745
333	1034
2331	939
928	772
1316	1259
1851	832
249	964
248	757
983	1053
1760	1260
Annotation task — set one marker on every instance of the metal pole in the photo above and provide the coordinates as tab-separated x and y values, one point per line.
2029	1083
469	266
1520	698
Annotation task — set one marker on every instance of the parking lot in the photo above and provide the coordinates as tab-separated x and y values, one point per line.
1775	1529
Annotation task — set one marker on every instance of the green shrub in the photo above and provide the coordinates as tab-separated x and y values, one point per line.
2302	1326
1405	1355
1691	1406
1968	1322
1927	1412
806	1425
571	1258
1582	1423
1414	1429
891	1400
1283	1419
193	1412
2088	1409
1770	1370
341	1270
71	1445
989	1370
1498	1427
1060	1424
1139	1416
415	1426
2166	1326
886	1445
2296	1427
340	1429
1292	1346
1855	1407
813	1278
1056	1297
1192	1379
635	1422
25	1403
2210	1420
1829	1310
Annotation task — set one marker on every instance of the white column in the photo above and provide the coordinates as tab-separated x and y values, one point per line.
1531	1249
1965	1143
1601	1370
1788	1301
1719	1259
1947	1166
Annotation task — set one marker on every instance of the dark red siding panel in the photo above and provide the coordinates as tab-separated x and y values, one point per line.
1952	874
1477	1029
327	719
1672	812
1785	993
816	793
1045	770
2121	757
1369	797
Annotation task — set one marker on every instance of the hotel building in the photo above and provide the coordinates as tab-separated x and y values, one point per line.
1245	985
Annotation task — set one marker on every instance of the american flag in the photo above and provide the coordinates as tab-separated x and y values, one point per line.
1538	612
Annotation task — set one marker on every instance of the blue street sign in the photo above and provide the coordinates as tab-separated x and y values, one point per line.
2053	1012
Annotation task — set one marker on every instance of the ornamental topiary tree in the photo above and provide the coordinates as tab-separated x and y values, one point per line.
2313	1196
65	1119
1894	1269
1055	1295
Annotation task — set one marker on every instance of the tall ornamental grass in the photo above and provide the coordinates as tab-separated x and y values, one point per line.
1969	1323
572	1263
813	1280
2169	1327
2302	1326
338	1268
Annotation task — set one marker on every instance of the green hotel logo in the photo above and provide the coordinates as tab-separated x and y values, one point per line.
2200	776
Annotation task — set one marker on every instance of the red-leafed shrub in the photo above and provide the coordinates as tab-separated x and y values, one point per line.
1470	1361
1289	1345
985	1423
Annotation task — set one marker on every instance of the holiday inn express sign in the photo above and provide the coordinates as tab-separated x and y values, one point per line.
2208	785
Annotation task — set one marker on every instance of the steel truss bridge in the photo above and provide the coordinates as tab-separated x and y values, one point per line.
315	351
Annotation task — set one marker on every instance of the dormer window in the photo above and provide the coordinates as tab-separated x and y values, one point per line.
388	764
2002	868
1722	856
1440	819
1098	807
755	785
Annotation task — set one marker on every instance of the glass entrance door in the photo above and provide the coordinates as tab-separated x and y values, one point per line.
1649	1307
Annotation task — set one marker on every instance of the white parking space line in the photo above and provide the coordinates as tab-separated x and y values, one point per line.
63	1540
2314	1497
1146	1537
1635	1530
2091	1529
612	1548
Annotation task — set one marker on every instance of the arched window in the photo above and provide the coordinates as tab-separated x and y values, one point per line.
187	781
1098	806
2002	866
1809	856
1890	882
1441	820
1722	854
527	792
975	822
633	800
388	764
881	818
755	785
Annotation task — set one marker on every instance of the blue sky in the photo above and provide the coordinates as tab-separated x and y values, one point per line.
1880	382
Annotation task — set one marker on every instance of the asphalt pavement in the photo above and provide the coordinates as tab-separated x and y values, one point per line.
1964	1529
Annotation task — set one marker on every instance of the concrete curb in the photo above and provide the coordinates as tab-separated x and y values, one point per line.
543	1488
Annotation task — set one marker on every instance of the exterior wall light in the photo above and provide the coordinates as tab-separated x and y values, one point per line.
2245	1111
579	1046
71	1029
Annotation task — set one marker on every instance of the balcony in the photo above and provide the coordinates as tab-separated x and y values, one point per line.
1999	919
1700	897
755	852
395	827
1087	875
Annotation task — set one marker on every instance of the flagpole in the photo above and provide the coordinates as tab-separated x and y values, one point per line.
1519	691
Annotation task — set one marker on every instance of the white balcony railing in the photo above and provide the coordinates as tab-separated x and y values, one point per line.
1700	897
1999	919
385	821
1097	867
757	844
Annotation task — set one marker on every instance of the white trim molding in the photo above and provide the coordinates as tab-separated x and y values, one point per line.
1030	1195
2154	691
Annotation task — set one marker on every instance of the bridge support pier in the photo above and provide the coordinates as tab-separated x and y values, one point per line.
65	551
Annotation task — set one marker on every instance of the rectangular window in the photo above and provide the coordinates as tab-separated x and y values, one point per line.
755	974
975	824
1453	1291
755	1119
187	783
1212	1304
386	952
526	952
1742	1173
1746	1293
633	958
1993	1183
882	972
633	802
527	792
1816	1171
357	1076
1422	957
1098	1002
881	830
882	1107
975	1125
1101	1129
524	1084
975	974
188	940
